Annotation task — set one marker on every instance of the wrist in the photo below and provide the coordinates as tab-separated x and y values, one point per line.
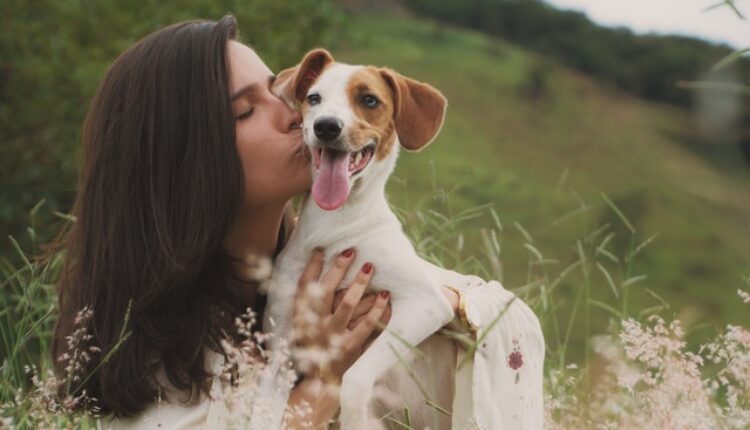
315	402
469	326
326	377
453	297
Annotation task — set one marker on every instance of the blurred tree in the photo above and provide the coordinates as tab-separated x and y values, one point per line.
744	133
648	66
54	52
536	84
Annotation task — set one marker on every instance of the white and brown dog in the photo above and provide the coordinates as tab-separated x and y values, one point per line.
356	118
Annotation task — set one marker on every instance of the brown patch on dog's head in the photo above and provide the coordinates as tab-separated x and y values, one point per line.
293	83
419	110
373	122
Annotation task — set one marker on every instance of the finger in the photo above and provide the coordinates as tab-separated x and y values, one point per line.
338	296
365	328
376	332
333	277
365	304
310	273
343	312
383	319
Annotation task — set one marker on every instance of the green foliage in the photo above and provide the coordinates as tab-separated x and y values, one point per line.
542	163
53	54
600	273
637	224
27	308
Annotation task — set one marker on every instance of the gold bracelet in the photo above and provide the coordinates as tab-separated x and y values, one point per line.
328	378
463	316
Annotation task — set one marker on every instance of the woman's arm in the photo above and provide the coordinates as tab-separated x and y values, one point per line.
314	402
502	361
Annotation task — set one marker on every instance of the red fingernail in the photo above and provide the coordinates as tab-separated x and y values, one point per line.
348	253
367	268
384	294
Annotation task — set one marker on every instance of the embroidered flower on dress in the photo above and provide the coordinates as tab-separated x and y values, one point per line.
515	359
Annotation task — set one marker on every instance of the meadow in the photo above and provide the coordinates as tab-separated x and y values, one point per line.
603	211
552	162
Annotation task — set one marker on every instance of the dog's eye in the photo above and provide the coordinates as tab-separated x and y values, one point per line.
370	101
313	99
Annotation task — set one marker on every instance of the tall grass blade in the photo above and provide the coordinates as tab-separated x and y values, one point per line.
619	213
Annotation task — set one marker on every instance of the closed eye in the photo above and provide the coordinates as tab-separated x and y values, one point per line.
245	115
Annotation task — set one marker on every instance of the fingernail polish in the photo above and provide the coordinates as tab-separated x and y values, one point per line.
384	294
348	253
367	268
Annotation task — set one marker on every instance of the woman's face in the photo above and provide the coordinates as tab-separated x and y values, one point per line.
269	140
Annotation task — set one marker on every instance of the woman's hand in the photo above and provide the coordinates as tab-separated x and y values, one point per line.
331	334
324	322
367	302
364	305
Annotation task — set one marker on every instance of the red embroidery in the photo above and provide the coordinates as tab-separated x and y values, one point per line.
515	359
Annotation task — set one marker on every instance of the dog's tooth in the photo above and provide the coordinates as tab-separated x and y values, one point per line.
357	157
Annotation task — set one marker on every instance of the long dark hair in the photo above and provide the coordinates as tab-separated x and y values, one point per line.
161	181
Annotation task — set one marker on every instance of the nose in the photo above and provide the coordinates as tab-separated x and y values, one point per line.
327	128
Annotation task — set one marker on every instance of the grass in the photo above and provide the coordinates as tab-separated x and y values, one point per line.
603	283
535	158
591	205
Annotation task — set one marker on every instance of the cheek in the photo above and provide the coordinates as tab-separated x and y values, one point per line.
258	162
269	176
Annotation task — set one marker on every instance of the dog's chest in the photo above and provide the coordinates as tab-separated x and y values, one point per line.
384	246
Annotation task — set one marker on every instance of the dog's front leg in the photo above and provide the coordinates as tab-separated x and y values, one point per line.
413	319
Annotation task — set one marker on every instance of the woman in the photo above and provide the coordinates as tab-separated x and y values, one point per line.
190	164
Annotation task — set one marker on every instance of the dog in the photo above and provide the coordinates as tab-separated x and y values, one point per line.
355	121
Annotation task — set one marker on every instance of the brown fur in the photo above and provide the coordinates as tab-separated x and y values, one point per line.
419	110
292	84
374	122
410	109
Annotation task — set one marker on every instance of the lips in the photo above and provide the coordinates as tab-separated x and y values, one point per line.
335	170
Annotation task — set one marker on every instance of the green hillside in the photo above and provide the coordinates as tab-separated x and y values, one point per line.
537	141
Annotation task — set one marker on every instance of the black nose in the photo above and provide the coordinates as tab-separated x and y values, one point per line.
327	128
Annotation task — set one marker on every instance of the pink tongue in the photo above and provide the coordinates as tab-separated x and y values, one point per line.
331	186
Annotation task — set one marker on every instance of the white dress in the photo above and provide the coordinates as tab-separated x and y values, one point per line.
499	388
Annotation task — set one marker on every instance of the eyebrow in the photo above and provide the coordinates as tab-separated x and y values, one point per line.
250	88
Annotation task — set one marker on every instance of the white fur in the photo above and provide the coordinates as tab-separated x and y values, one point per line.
335	100
366	223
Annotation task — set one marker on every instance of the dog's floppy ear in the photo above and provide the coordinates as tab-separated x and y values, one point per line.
419	110
292	84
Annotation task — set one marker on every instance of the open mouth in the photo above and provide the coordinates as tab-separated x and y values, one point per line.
335	170
356	161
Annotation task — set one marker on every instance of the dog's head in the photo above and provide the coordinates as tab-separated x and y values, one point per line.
353	118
